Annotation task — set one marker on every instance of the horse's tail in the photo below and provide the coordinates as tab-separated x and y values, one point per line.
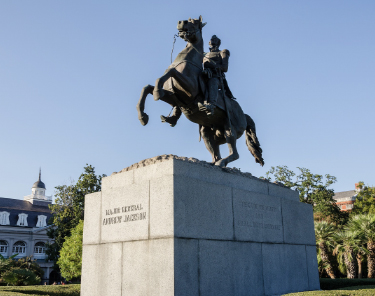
252	141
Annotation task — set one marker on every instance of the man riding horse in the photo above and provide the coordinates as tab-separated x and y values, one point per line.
215	65
186	88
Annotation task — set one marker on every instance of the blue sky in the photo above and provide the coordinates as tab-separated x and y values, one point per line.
71	73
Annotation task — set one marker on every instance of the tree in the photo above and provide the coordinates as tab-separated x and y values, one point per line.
324	241
21	272
68	209
365	200
355	225
348	244
365	224
70	260
313	189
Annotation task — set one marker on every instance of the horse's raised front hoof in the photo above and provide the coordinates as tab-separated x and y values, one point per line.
159	93
143	119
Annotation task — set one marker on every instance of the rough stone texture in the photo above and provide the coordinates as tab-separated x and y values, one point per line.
161	207
284	268
91	233
101	271
230	268
283	192
298	223
312	268
202	210
205	231
148	267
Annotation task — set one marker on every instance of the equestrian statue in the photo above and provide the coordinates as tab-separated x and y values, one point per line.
195	84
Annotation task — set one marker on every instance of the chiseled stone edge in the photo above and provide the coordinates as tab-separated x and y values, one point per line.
166	157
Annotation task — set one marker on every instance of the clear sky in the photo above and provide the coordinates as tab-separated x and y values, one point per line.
71	73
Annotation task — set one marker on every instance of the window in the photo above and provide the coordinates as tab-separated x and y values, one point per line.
22	219
3	248
19	248
40	248
4	218
41	221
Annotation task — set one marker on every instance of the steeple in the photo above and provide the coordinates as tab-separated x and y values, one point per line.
39	183
38	193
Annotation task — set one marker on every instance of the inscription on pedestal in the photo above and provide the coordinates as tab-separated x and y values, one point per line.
125	214
260	211
257	217
121	218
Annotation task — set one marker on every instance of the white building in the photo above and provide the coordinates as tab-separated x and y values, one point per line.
23	226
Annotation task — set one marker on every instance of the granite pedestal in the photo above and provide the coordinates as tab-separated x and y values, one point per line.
173	226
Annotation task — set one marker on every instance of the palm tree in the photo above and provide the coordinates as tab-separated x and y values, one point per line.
324	241
348	244
365	224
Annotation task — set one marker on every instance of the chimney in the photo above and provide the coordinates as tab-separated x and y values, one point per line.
357	186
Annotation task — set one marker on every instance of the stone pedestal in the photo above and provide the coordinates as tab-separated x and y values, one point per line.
170	226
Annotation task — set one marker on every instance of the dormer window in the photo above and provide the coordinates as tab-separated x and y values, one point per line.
42	221
4	218
22	219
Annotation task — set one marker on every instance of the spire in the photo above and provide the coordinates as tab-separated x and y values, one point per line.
39	183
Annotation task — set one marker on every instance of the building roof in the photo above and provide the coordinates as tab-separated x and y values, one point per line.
17	206
21	205
344	195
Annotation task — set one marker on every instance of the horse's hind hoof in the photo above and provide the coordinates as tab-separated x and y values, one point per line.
158	94
221	163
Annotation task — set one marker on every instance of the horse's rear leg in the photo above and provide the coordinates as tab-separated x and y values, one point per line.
231	139
211	144
142	116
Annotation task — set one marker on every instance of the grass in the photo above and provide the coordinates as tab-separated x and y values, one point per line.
67	290
342	287
349	291
336	287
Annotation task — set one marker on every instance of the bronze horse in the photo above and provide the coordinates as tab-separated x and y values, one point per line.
183	86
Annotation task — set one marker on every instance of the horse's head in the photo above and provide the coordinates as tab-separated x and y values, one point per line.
190	30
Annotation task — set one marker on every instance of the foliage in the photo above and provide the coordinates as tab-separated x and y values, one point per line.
348	244
24	271
324	233
58	290
313	189
70	261
365	200
68	209
365	224
20	277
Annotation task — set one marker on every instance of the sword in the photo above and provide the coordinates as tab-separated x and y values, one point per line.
225	104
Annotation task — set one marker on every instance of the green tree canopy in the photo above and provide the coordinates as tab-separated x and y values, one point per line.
22	272
68	209
70	260
313	189
365	200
